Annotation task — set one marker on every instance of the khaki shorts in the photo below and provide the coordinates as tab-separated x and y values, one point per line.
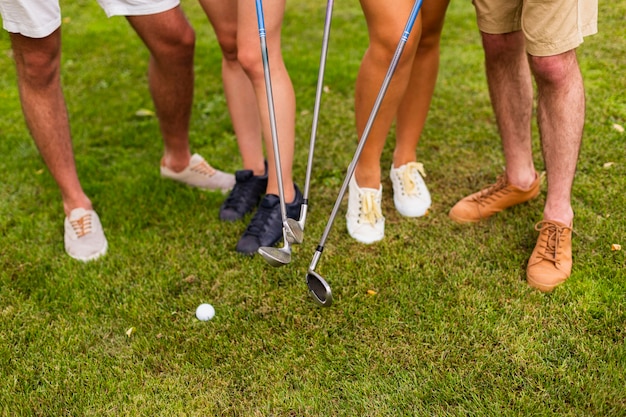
551	27
39	18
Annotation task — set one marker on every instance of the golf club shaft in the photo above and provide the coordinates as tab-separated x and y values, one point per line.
368	127
270	106
318	100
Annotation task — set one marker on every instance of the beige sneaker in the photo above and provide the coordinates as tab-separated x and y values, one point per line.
364	217
84	237
493	199
551	261
201	175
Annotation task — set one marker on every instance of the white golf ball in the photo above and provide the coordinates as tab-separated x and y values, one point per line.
205	312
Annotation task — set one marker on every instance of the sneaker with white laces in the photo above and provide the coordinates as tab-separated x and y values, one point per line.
84	237
201	175
364	217
410	194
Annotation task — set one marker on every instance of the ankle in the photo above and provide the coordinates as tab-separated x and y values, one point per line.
522	180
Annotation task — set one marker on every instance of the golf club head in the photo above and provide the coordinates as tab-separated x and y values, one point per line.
319	289
302	221
275	256
293	231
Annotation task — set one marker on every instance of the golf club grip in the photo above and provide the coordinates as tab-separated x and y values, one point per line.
381	94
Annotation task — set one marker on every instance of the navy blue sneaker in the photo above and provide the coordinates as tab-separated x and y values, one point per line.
245	195
266	227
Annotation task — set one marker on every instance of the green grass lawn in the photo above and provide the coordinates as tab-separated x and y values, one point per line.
453	329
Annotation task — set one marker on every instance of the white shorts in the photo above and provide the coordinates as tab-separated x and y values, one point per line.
39	18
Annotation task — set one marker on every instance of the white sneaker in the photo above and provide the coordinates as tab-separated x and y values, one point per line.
201	175
410	194
364	218
84	237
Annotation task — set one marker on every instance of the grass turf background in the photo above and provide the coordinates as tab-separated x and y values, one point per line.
453	329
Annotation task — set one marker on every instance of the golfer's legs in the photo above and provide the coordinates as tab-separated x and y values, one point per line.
561	116
171	40
248	43
511	91
386	23
240	96
415	104
38	77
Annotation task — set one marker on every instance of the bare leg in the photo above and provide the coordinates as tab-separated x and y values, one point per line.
38	72
385	25
240	95
511	91
415	104
561	116
248	44
171	41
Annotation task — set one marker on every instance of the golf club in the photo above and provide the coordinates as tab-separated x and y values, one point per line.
316	112
275	256
319	289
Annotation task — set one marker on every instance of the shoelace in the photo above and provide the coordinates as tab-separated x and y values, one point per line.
203	168
260	220
496	188
82	226
408	182
550	251
370	210
237	195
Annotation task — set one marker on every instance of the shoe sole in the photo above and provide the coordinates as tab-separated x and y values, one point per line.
412	215
461	220
93	257
541	286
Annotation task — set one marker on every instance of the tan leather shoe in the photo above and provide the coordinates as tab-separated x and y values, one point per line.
551	261
491	200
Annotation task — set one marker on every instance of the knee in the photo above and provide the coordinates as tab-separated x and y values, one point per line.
176	45
228	45
503	46
553	69
251	61
185	41
38	68
383	48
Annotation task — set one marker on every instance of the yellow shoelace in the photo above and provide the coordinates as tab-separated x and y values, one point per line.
370	210
408	182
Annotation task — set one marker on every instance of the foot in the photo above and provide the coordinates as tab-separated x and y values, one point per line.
410	194
266	226
550	264
364	217
245	195
201	175
493	199
84	237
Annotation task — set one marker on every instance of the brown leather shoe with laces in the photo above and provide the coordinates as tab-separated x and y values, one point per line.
493	199
551	261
